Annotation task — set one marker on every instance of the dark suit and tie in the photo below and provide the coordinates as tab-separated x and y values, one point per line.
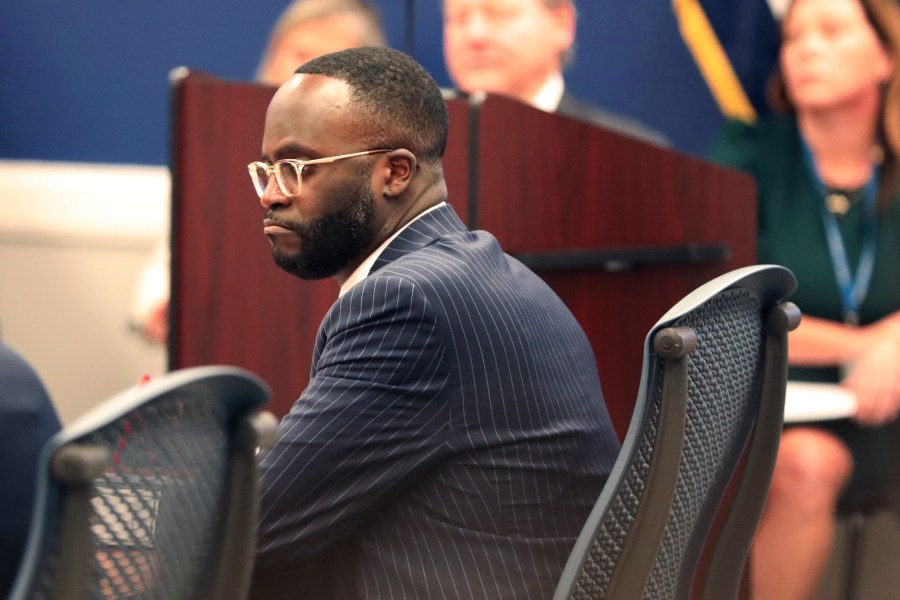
27	420
453	436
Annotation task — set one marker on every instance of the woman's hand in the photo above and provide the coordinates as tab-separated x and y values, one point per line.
875	380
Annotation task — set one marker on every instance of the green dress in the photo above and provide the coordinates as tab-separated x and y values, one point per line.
791	233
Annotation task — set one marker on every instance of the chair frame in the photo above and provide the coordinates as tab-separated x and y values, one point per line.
732	546
673	346
71	467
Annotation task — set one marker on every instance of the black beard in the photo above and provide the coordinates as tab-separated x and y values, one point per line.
329	243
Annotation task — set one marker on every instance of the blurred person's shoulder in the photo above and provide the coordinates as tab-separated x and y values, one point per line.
744	145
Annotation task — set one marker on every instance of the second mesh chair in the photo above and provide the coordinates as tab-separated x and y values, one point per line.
153	494
712	391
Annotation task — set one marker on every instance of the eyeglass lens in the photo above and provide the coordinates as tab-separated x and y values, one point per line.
260	176
286	174
289	176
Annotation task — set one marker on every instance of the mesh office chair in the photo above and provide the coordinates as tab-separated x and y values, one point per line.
712	389
153	494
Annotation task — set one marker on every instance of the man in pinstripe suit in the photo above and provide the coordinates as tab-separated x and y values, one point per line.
453	436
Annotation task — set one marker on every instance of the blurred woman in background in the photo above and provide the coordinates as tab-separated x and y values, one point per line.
829	210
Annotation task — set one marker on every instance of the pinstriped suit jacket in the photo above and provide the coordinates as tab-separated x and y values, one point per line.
452	439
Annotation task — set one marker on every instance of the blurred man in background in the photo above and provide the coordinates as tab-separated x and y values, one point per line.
309	28
518	48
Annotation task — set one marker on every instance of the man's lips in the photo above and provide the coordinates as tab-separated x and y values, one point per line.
273	227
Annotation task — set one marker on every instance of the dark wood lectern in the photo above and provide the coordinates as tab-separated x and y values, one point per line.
619	228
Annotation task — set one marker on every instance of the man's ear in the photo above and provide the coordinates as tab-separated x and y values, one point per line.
401	169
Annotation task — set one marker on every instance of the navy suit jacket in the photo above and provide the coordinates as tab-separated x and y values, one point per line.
451	442
27	421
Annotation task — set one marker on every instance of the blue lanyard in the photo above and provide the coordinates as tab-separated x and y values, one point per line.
853	290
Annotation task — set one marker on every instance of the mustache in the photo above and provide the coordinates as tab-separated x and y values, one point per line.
272	219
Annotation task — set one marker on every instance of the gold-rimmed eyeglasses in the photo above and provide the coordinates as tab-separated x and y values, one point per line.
289	171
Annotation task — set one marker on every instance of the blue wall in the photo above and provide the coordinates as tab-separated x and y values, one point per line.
87	81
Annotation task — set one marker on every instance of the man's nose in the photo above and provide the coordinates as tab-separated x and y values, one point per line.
477	26
272	195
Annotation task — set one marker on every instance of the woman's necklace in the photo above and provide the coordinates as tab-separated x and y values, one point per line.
838	201
853	286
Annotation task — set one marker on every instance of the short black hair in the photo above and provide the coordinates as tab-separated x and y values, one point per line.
401	104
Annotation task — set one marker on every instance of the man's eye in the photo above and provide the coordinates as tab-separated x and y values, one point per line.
498	14
455	17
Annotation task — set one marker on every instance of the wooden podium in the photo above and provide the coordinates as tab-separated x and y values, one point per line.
619	228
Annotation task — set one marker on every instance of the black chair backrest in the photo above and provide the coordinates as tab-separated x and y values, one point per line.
153	494
712	392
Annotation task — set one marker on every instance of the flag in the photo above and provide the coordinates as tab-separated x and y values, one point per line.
735	46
